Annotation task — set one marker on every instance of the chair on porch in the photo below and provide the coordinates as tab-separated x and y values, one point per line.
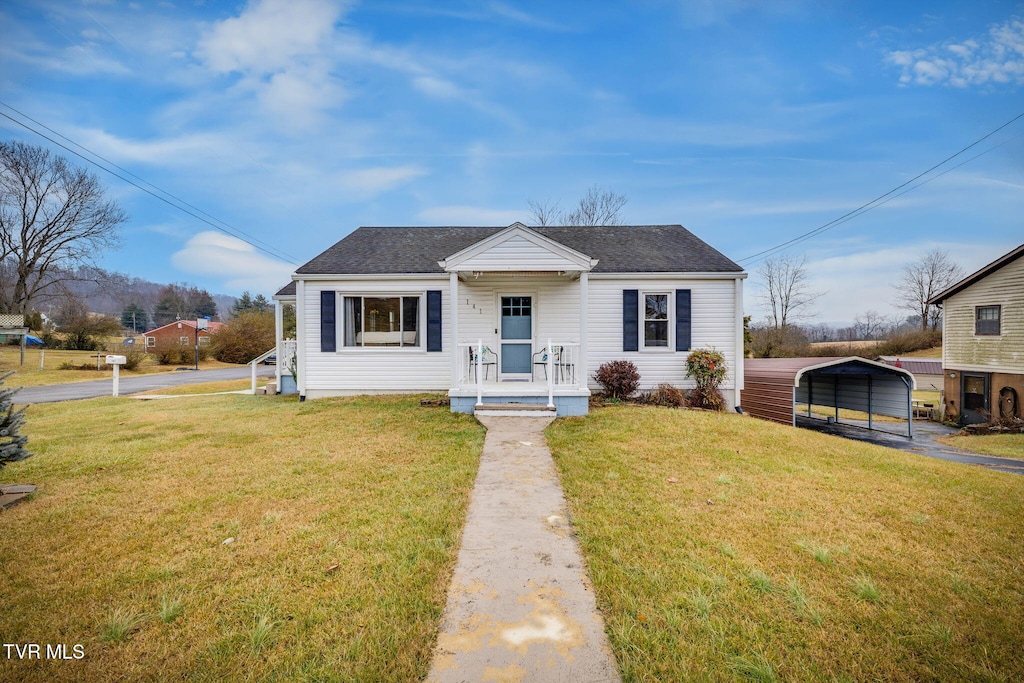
540	358
564	364
487	359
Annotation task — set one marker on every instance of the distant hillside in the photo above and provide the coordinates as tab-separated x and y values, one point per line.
110	293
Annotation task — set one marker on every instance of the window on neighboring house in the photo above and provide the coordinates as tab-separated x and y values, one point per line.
150	341
184	341
986	320
382	321
204	341
655	320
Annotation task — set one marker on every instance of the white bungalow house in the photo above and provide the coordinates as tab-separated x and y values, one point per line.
510	315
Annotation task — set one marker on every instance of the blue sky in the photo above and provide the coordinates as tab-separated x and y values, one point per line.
296	121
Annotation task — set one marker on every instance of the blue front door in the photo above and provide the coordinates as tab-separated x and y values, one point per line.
516	335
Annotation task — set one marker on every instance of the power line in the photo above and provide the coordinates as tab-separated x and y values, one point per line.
224	227
884	198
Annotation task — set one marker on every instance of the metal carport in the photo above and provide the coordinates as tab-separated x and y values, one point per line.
772	387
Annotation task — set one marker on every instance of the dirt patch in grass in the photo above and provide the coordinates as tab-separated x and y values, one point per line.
722	546
344	518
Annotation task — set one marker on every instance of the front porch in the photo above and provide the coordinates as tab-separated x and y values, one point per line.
554	381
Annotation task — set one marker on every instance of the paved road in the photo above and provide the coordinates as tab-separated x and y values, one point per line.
132	384
925	442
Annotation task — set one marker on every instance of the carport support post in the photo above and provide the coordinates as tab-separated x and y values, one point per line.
810	392
835	395
910	408
869	401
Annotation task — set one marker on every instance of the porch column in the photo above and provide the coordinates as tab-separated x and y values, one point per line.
453	300
278	336
301	335
581	363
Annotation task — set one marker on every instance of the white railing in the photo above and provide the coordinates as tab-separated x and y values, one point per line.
557	363
256	361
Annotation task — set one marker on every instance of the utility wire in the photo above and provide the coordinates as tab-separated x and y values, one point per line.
224	227
884	198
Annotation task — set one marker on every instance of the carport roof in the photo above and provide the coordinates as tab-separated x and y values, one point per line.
792	369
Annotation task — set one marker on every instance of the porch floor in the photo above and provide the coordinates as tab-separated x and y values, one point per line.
513	388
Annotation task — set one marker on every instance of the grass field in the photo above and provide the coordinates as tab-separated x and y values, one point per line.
345	515
1003	445
726	548
32	375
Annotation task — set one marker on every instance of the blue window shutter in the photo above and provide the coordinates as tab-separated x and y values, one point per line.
434	320
630	321
683	320
328	324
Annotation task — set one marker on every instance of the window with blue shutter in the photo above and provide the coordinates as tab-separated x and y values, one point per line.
683	320
434	320
630	319
328	322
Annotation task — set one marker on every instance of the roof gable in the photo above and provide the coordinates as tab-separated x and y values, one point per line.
517	248
1004	260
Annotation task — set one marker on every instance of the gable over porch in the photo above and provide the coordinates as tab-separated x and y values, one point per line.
517	322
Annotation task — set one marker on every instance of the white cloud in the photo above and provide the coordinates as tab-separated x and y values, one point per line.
238	265
470	215
996	58
280	48
269	36
369	182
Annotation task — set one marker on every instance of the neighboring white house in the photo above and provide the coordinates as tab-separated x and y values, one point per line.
511	315
983	341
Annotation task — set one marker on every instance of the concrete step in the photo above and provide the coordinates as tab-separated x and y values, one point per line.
514	410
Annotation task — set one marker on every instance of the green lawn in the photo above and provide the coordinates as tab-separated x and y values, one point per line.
726	548
1003	445
345	514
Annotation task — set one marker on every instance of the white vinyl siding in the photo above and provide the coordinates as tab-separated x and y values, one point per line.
963	349
518	253
372	370
714	320
555	308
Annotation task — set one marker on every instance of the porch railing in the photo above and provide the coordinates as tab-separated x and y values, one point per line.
561	367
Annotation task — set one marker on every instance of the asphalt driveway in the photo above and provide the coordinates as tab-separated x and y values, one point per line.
133	384
925	442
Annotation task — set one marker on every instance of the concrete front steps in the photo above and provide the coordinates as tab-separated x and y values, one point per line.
513	410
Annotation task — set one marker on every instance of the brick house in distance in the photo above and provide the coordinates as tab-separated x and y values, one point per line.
178	333
983	341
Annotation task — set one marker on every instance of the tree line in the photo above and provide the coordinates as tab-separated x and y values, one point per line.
787	294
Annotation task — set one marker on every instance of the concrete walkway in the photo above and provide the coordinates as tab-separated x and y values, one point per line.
520	607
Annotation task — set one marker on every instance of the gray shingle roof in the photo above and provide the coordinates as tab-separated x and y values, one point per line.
619	249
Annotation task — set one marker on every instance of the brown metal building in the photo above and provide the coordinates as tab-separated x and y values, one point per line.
774	386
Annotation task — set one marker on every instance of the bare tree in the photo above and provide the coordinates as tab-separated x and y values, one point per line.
923	279
871	325
544	213
53	218
596	207
786	291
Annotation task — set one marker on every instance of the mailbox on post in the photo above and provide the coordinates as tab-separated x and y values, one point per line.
117	362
